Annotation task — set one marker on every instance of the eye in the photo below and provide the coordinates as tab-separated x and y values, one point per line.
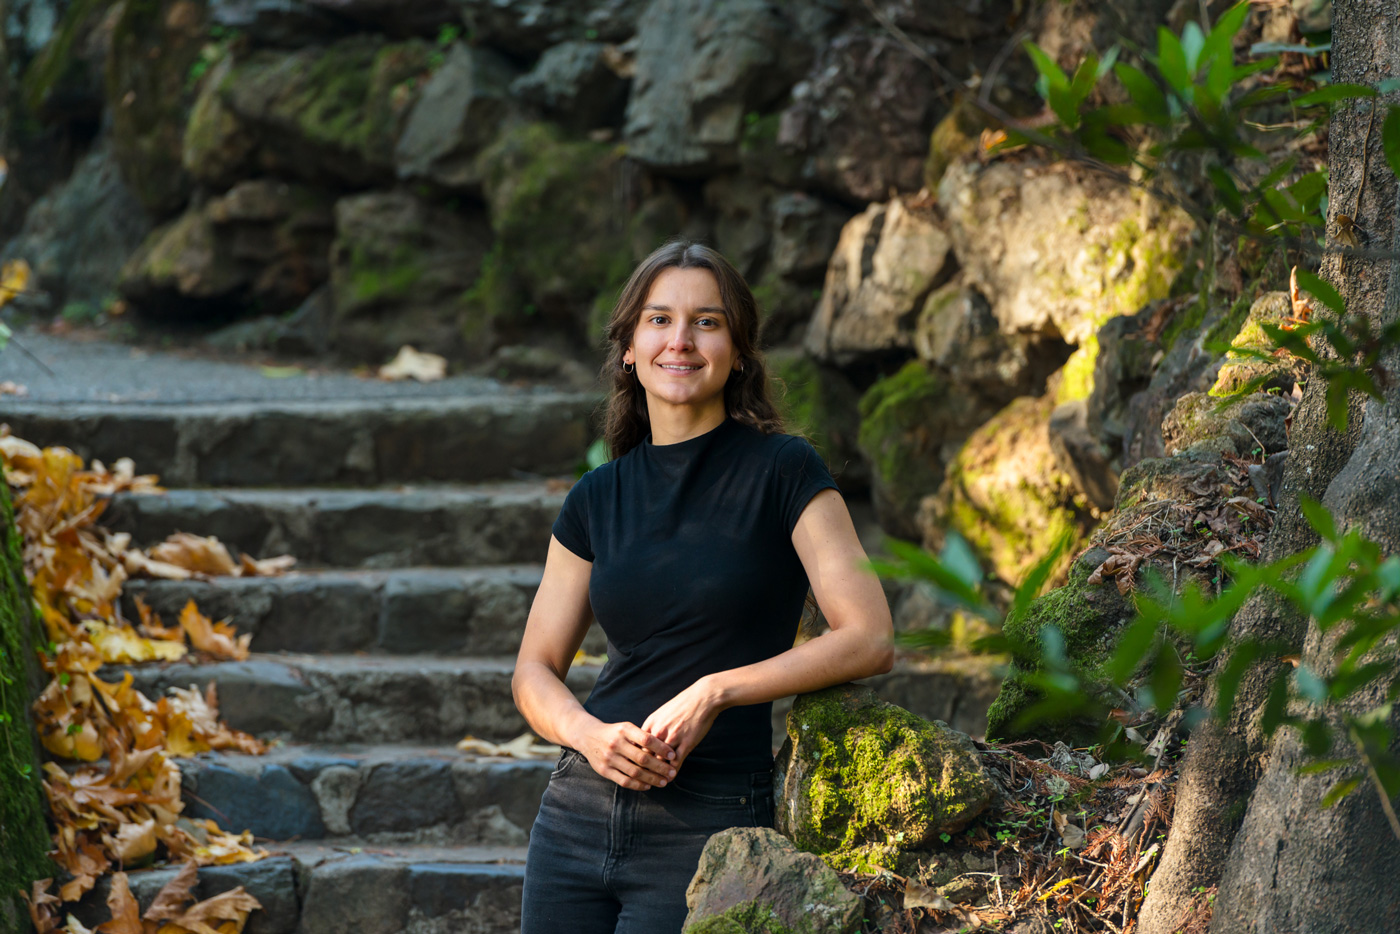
708	321
657	319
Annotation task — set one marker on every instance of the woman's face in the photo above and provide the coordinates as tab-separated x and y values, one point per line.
682	345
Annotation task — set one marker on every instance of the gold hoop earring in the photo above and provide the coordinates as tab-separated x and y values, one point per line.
632	370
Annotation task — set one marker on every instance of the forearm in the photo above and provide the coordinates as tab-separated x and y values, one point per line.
546	702
837	656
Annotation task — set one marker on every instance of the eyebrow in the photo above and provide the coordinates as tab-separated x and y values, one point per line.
706	310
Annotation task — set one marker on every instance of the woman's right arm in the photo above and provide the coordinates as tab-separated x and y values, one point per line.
559	619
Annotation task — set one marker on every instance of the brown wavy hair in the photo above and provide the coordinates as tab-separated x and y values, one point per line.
747	397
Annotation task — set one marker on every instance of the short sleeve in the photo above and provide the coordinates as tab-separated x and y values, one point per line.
800	474
571	527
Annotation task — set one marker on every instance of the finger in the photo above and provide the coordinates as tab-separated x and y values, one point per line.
653	744
625	780
643	760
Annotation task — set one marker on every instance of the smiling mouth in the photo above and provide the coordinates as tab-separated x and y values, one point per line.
679	368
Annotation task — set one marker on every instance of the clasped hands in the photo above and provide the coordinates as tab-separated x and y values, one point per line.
648	756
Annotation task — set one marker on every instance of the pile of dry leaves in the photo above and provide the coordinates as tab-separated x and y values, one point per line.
119	806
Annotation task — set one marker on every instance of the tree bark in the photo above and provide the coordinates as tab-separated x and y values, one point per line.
1295	866
1280	873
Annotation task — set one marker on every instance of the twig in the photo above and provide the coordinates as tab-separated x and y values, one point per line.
30	354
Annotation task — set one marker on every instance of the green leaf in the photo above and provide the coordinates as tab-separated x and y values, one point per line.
1318	517
1317	738
1085	77
598	453
1220	42
1324	765
1171	62
1241	659
1228	191
1390	139
1034	580
1192	42
959	558
1340	790
1052	73
1144	92
1309	684
1322	290
1331	93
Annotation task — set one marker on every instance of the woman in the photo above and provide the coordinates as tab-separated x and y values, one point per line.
694	546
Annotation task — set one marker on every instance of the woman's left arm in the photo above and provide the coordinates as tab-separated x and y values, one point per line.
858	644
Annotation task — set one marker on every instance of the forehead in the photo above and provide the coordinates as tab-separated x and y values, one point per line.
685	288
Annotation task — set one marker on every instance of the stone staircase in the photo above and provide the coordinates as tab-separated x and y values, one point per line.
419	516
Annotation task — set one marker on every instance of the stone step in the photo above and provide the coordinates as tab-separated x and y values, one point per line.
498	523
461	439
436	699
447	611
344	886
381	794
358	698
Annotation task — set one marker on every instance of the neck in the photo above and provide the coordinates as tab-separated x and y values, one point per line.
672	425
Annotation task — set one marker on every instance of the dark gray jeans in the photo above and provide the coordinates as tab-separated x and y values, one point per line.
606	860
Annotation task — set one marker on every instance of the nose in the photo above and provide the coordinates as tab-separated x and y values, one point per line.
680	337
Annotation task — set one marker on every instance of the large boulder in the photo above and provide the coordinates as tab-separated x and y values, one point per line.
457	115
577	84
262	244
888	260
1004	493
911	425
957	332
1058	251
1089	617
154	46
566	240
865	784
64	82
1252	426
861	117
701	68
741	208
752	880
281	23
77	237
332	111
399	270
218	147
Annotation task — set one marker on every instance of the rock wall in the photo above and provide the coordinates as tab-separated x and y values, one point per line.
478	177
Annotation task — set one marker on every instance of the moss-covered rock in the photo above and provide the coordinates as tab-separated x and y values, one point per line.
332	110
155	43
400	268
218	147
865	783
820	403
564	238
1005	492
1243	372
24	838
1252	425
752	880
1089	617
260	246
911	424
953	137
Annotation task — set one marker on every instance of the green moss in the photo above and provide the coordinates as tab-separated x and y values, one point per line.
891	409
1152	265
1089	619
23	836
752	917
866	767
554	210
387	278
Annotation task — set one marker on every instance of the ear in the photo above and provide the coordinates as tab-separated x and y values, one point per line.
627	355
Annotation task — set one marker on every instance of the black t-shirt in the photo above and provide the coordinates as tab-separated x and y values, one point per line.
694	572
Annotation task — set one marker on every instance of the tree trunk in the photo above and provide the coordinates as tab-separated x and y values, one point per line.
1282	872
